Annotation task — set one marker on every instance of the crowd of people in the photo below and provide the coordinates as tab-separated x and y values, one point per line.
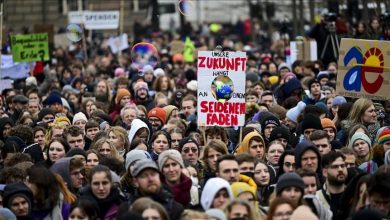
98	138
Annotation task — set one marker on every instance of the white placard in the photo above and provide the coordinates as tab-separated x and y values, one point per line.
118	43
6	84
100	20
221	88
76	17
12	70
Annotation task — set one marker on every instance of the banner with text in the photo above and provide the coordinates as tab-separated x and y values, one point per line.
221	88
100	20
364	69
30	47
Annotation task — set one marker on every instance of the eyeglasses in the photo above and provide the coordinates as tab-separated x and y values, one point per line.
350	165
193	150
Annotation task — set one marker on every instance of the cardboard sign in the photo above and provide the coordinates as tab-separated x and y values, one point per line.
100	20
118	43
30	47
221	88
364	69
303	50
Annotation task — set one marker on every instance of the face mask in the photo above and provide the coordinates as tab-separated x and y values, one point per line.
248	174
195	181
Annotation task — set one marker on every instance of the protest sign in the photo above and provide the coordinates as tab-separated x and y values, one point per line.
100	20
364	69
30	47
12	70
118	43
6	84
221	88
76	17
303	50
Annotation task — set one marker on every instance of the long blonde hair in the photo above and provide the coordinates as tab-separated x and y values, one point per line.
358	109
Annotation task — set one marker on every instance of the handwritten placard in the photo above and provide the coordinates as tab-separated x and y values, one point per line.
30	47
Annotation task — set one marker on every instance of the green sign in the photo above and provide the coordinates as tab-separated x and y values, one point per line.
30	47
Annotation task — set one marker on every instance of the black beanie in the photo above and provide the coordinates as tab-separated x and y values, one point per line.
77	151
288	180
269	119
187	140
311	121
280	132
43	112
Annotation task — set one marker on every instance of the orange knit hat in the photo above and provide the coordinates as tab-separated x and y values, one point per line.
120	94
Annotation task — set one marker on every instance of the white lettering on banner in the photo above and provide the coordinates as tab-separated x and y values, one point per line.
100	20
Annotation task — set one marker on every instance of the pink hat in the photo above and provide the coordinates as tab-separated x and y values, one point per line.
119	72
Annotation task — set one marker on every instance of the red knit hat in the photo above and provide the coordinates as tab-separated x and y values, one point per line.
120	94
158	113
327	123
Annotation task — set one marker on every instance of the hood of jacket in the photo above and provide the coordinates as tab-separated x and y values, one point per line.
61	167
137	124
211	188
301	148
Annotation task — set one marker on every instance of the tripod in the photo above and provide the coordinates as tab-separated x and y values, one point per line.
332	37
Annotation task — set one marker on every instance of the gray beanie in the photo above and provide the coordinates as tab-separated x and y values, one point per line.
170	154
359	136
135	155
289	179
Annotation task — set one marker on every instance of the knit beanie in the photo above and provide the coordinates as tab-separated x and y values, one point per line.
158	72
147	69
158	113
269	119
311	121
79	116
359	136
119	72
338	100
241	187
54	97
44	112
185	141
288	180
140	85
327	123
120	94
293	113
170	154
135	155
322	106
62	119
168	110
76	151
279	132
384	136
322	74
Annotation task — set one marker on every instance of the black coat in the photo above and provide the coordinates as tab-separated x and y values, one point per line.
164	197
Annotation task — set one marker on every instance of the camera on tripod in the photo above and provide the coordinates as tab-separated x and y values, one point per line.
330	17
